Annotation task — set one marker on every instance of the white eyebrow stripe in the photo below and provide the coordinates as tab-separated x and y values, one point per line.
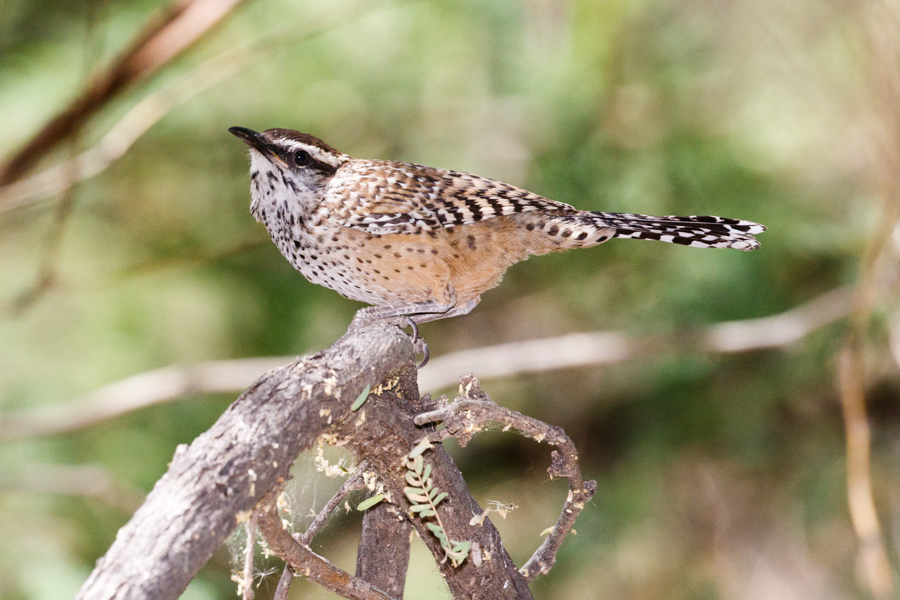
314	151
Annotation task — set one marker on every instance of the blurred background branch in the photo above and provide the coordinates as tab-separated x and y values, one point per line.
880	19
138	392
155	105
181	25
505	360
86	481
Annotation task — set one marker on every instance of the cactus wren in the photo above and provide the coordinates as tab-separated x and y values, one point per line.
425	243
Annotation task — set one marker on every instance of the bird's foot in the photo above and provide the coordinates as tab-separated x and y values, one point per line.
402	316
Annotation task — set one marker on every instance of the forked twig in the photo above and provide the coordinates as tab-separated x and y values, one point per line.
303	561
228	470
474	412
354	482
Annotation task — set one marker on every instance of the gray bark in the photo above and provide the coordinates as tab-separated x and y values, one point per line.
216	481
383	554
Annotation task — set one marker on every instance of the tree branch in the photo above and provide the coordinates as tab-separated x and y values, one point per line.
303	560
214	484
71	480
135	393
615	347
246	583
236	470
880	27
475	411
354	482
385	422
284	584
383	554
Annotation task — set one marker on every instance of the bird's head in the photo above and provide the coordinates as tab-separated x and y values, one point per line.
288	167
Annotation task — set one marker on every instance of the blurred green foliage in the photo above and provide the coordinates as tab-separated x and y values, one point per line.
720	476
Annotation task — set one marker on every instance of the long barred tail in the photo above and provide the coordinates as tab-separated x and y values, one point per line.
696	231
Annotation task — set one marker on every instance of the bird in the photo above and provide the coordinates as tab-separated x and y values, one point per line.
424	243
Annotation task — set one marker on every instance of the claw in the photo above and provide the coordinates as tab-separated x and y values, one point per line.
415	328
426	353
416	339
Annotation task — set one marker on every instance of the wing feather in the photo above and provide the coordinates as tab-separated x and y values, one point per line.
383	197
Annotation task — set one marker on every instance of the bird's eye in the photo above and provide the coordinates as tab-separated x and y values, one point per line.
301	158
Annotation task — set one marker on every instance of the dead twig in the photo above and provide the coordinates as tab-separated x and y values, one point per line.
474	412
614	347
239	466
872	559
246	584
135	393
354	482
303	561
46	277
284	584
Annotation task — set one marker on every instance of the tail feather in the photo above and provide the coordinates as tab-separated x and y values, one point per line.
696	231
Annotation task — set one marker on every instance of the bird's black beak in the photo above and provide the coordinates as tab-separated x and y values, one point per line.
251	138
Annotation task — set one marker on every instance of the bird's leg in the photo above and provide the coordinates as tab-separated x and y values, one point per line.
417	310
424	318
455	311
415	314
390	311
412	312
